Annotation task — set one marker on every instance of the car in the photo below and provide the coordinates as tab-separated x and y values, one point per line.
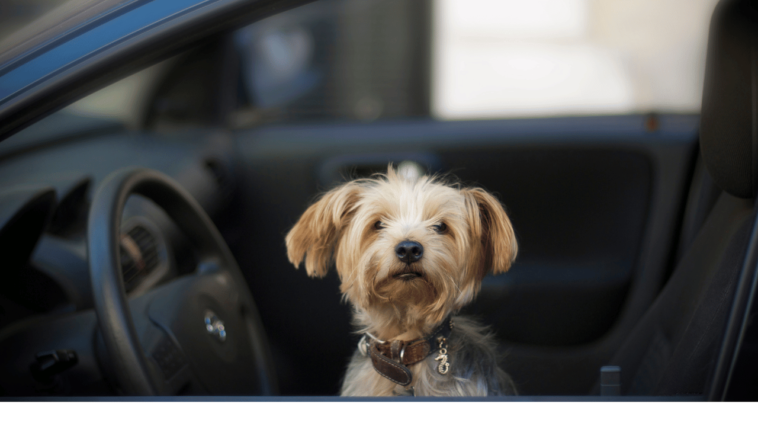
142	250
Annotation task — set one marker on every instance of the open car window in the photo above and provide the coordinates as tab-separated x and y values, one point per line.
369	60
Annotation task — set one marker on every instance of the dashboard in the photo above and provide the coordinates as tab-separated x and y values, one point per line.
48	174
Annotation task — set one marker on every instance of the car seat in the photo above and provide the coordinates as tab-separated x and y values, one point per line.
684	343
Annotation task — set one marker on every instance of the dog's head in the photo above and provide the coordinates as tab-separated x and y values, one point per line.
408	250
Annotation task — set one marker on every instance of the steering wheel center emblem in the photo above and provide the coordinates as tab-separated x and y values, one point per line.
214	326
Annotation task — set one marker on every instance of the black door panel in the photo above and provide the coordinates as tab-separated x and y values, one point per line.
579	215
595	202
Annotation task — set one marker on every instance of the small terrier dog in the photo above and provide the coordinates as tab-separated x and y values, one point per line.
411	251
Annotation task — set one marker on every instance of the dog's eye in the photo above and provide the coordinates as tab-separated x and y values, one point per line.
440	228
378	225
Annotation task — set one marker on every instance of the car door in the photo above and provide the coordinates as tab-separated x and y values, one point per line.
595	213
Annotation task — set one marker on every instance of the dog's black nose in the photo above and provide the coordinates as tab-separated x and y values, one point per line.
409	251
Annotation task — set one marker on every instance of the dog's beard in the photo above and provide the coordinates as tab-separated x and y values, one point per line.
406	286
420	291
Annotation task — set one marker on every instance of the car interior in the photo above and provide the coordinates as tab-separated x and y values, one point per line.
123	241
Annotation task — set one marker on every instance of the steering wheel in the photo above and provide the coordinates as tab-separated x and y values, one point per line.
197	334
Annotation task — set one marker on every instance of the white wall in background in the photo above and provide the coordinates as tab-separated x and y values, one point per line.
509	58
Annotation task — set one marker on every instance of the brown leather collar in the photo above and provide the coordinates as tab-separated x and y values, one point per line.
391	359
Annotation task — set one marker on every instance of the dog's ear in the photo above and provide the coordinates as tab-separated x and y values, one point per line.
315	235
490	225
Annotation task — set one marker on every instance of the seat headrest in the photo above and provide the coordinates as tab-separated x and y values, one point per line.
729	117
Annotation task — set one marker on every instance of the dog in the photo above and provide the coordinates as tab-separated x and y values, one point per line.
411	251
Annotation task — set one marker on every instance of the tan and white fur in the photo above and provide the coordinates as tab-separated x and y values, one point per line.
465	234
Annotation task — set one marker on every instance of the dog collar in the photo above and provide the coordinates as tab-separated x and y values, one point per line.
391	359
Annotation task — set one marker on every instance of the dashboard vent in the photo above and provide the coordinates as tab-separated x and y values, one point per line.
139	256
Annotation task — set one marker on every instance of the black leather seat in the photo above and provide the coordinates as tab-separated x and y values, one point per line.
683	344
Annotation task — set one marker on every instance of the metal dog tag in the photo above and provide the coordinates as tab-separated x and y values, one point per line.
442	357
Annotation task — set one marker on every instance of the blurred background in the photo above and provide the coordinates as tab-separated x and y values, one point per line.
380	59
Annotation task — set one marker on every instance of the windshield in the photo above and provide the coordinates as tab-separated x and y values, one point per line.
25	24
